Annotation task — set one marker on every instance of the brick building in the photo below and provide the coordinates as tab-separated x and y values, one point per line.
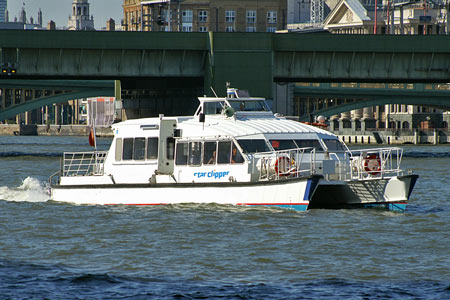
205	15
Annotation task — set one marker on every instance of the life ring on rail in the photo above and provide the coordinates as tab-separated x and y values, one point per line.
282	166
372	164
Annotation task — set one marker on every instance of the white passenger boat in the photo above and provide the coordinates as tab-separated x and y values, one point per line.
234	150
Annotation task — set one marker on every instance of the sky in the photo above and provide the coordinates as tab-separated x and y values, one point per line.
59	10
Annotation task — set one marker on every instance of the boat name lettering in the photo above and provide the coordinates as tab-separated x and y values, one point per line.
210	174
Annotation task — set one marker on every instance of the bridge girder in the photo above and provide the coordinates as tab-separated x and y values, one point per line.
250	61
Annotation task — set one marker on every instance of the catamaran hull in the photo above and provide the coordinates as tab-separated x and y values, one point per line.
292	193
390	193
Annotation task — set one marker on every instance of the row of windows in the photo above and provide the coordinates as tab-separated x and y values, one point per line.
230	16
188	28
207	153
138	148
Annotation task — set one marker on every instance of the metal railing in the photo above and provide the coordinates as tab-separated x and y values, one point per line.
83	163
375	163
285	164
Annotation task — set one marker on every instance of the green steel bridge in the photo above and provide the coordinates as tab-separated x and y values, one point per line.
252	61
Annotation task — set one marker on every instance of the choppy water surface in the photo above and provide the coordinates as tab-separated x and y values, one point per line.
58	251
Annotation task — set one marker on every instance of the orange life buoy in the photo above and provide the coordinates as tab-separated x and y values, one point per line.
372	164
282	166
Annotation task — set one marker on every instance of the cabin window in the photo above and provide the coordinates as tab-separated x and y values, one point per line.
195	153
253	146
236	156
224	152
139	149
182	154
309	144
118	149
213	108
209	153
283	144
334	145
152	148
257	105
170	148
127	149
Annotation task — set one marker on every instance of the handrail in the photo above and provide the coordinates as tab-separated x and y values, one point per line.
285	164
375	163
83	163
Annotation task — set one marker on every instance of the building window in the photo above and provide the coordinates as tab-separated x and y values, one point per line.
271	29
229	29
203	29
230	16
250	29
251	17
187	28
203	16
186	16
271	17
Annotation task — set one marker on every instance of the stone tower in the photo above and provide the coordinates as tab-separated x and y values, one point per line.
39	20
80	19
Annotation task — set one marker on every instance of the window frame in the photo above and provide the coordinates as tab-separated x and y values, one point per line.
230	16
272	17
202	16
250	17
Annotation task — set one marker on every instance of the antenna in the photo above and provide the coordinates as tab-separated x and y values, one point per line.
213	91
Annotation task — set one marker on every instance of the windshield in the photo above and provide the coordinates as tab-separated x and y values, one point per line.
309	143
252	146
334	145
283	144
246	105
213	108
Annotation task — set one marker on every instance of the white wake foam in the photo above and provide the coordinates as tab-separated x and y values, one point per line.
31	190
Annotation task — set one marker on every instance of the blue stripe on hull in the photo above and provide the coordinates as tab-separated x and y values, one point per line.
293	207
389	206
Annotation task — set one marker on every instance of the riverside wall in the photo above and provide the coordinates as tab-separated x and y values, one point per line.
387	137
392	137
52	130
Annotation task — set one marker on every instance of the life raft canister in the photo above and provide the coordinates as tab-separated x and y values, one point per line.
372	164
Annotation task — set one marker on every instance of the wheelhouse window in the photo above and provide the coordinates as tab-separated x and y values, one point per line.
283	144
213	108
254	105
309	144
253	146
236	156
334	145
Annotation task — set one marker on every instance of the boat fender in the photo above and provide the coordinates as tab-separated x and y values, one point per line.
372	164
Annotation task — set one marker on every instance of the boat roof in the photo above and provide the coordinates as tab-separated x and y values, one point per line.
239	126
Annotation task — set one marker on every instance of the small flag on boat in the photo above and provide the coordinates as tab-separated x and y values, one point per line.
92	138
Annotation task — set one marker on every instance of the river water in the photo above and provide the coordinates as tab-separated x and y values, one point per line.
61	251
